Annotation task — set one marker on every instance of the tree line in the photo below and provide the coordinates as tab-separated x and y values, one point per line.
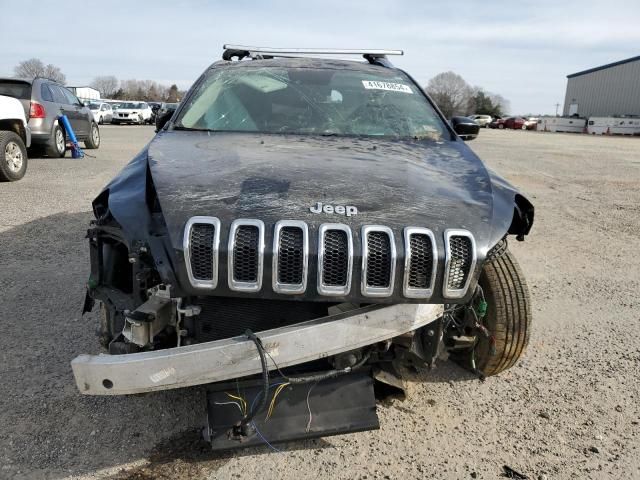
454	96
108	85
148	90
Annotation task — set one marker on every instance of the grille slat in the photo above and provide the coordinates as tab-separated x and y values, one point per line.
460	262
420	262
290	257
200	243
461	259
379	256
245	254
336	258
379	260
246	251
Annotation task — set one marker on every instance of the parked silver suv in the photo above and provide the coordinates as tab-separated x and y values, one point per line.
44	101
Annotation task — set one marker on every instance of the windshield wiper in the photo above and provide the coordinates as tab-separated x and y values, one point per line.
190	129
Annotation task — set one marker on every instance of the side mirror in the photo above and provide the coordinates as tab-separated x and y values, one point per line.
466	128
163	119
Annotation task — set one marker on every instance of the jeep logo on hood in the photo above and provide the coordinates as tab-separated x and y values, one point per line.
347	210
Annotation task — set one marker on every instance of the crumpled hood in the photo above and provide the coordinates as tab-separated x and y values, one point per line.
438	185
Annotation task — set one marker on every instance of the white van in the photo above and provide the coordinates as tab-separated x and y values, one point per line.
561	124
614	126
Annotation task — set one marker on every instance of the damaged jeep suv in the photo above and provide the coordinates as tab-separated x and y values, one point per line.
301	229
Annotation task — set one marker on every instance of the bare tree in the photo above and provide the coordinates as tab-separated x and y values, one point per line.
106	85
34	67
173	94
503	103
451	93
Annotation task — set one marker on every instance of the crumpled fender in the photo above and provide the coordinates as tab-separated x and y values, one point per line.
513	213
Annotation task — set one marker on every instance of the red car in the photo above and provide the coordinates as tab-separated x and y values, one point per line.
517	123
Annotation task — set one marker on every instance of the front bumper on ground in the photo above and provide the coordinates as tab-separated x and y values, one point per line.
237	357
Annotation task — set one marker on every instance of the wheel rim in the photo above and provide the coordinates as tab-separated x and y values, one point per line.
60	141
95	135
13	156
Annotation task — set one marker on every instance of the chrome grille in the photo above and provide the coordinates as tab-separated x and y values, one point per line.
202	250
378	261
420	262
290	257
460	262
246	252
201	244
335	259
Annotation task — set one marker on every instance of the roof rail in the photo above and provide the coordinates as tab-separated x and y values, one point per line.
242	51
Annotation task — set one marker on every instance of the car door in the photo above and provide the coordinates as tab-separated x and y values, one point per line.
82	116
66	106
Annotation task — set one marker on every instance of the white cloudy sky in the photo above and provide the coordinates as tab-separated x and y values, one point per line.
522	50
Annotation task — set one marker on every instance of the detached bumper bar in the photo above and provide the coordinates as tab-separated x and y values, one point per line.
237	357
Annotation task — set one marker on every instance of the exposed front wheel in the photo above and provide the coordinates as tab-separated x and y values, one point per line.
13	157
503	311
500	126
508	317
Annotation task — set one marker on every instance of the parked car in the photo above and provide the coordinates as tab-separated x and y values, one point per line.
132	112
267	227
15	138
497	122
482	120
516	123
102	112
43	101
164	114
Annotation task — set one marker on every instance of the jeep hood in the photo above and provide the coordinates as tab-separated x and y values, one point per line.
439	185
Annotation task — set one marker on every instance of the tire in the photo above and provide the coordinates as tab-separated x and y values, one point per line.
508	316
524	127
500	126
57	144
101	120
93	140
13	157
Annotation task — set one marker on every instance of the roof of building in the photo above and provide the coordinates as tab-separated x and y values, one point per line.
604	67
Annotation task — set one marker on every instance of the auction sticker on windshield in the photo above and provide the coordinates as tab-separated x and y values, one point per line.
394	87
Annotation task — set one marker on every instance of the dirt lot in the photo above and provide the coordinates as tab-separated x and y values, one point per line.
571	409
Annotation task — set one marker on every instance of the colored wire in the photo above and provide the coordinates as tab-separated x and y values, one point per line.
230	403
241	400
309	408
264	439
273	400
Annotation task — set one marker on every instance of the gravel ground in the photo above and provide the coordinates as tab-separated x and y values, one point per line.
570	409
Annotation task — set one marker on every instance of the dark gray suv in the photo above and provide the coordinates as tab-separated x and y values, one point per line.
44	101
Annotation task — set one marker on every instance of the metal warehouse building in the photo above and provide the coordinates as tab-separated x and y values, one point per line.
609	90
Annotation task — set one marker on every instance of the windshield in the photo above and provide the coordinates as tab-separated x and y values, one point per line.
130	105
94	106
316	101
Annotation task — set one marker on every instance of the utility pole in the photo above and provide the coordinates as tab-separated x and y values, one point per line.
557	106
